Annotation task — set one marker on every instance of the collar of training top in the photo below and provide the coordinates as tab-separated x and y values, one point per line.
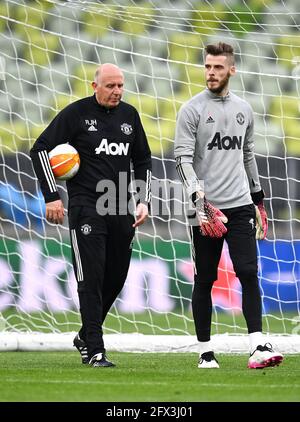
103	108
217	97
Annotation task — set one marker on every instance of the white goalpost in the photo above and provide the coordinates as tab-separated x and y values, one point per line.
49	51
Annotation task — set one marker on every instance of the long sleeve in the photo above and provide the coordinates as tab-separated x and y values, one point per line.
185	140
59	131
249	158
141	160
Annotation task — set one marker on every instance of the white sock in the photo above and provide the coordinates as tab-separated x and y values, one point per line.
205	346
255	340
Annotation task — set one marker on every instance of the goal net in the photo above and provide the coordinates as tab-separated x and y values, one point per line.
48	54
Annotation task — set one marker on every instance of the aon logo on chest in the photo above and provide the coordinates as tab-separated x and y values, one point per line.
112	148
227	142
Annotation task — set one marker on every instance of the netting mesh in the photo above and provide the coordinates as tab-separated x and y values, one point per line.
49	52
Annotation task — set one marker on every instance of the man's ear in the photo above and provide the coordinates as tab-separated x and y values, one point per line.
94	85
232	70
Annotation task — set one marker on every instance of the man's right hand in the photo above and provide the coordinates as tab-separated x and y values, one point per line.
210	219
55	212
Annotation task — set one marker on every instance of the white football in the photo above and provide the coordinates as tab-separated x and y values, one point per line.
64	160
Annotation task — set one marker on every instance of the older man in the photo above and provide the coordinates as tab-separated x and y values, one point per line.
109	136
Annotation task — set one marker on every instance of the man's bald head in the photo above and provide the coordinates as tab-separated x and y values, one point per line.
107	69
108	85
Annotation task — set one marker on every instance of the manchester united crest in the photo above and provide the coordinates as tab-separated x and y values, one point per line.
86	229
240	118
126	128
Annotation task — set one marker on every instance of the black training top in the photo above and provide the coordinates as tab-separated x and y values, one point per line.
107	141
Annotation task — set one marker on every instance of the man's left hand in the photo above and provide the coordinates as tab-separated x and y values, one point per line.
261	221
141	214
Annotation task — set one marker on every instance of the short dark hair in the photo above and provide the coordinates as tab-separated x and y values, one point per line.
220	49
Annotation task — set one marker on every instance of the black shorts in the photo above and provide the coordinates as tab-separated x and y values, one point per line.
241	241
101	247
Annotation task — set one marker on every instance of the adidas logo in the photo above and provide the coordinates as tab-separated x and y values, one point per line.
92	129
210	120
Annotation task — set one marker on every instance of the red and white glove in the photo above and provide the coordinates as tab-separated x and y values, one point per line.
210	219
261	221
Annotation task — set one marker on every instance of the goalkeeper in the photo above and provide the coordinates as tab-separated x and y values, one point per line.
216	164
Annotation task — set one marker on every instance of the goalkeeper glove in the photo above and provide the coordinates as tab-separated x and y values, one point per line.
210	219
261	221
261	215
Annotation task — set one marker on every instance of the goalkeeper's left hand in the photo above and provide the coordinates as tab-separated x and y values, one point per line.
261	221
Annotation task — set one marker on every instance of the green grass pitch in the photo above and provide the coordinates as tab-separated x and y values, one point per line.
146	377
